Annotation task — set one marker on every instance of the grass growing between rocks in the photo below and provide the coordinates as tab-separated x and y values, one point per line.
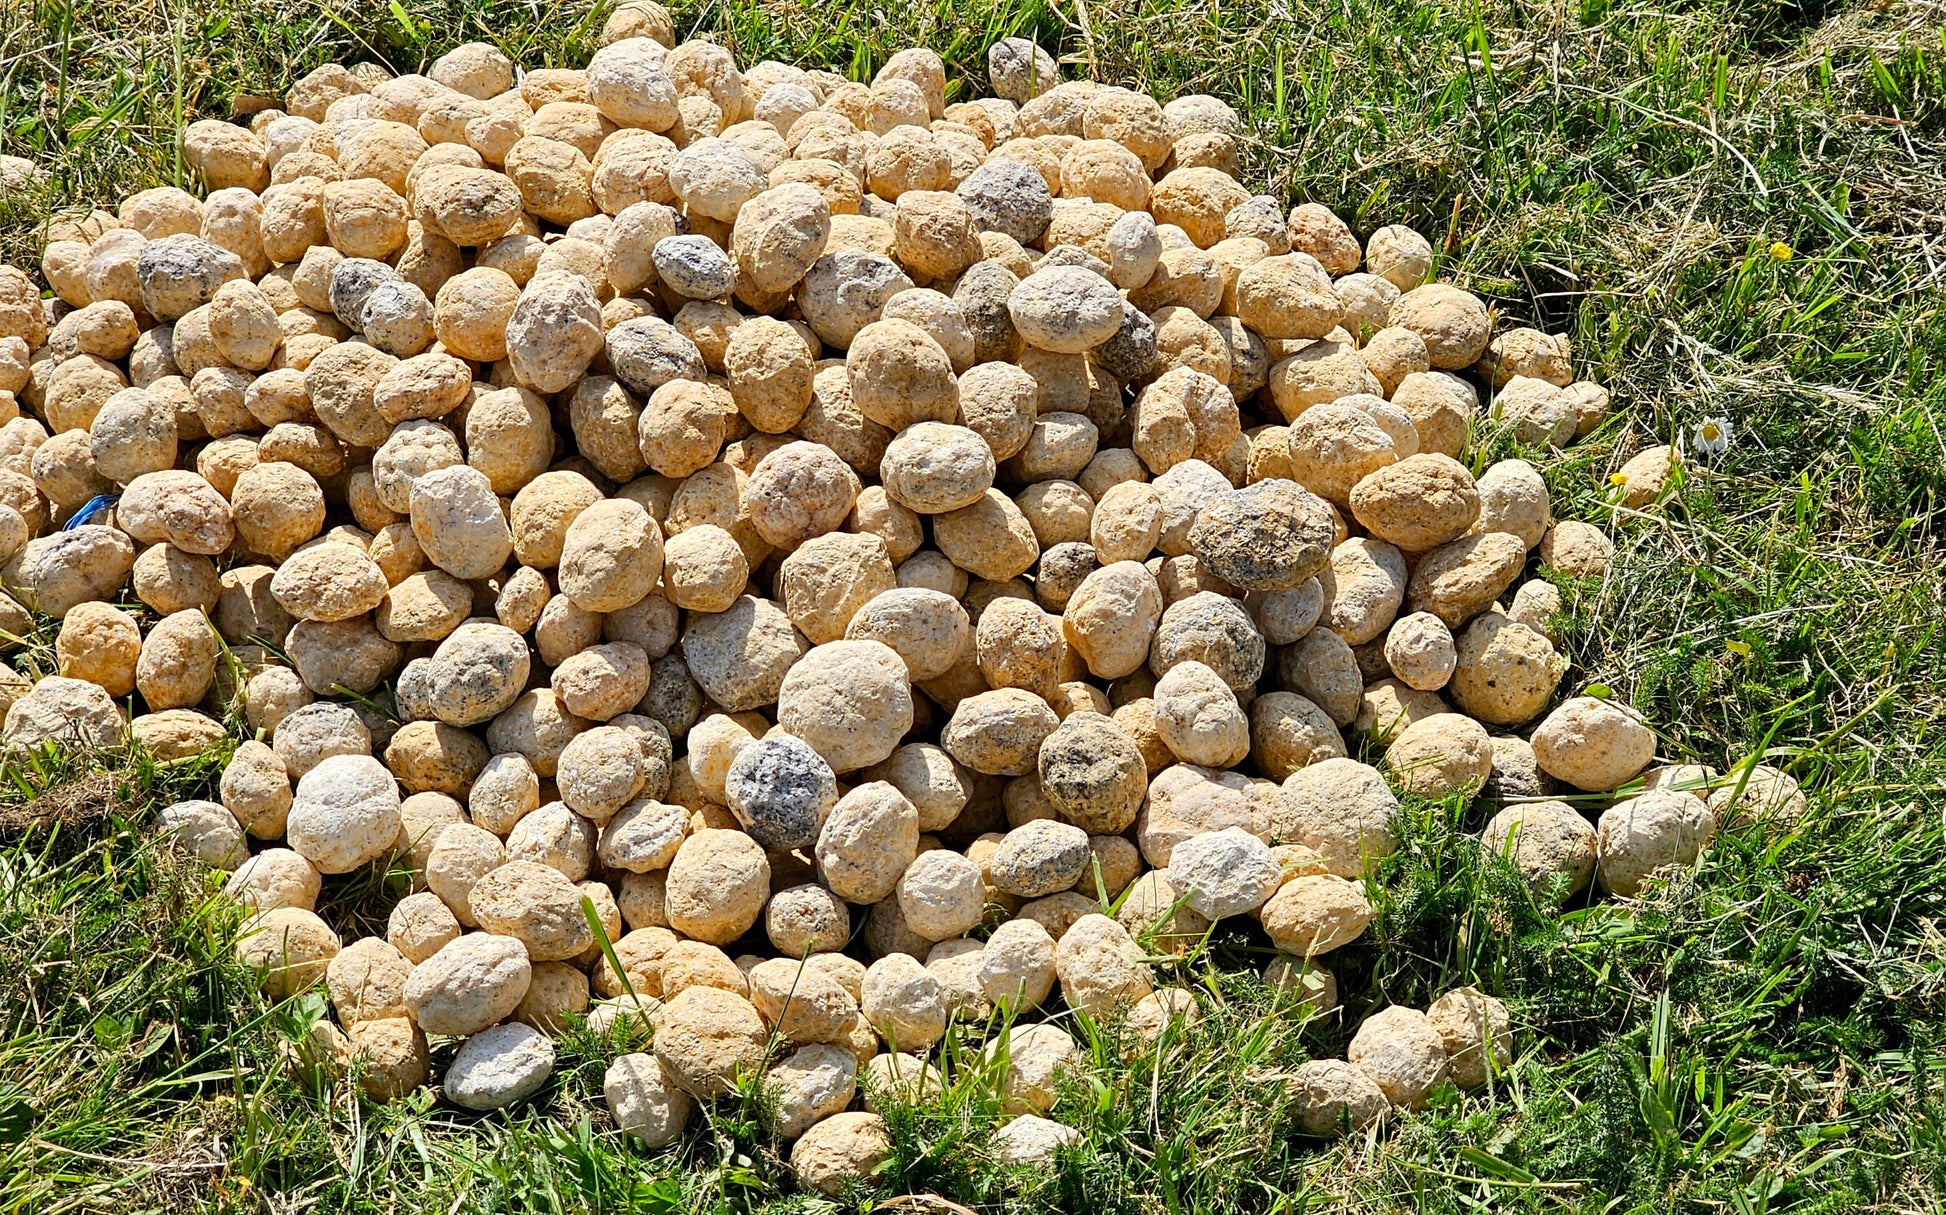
1735	210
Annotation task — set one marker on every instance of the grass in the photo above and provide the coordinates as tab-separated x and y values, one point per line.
1735	209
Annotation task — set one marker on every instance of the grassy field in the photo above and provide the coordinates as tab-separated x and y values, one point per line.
1736	208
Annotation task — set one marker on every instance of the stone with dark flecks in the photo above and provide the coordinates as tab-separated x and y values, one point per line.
781	790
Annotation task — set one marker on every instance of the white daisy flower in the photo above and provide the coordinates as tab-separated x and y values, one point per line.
1712	436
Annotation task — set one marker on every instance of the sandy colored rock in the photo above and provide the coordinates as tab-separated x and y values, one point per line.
602	681
1199	718
903	1002
900	376
1441	754
611	556
849	700
423	818
178	661
1590	406
1323	668
1454	323
100	644
942	894
177	507
643	836
535	905
1419	651
1111	618
1419	503
1287	296
718	884
1767	795
1065	309
1516	774
345	813
1333	1097
999	732
1514	499
131	436
420	925
1100	966
896	1078
1551	843
829	578
933	468
1309	988
645	1100
1655	830
468	984
1403	1052
499	1066
168	579
1224	873
805	920
800	491
477	674
1399	255
866	842
1457	580
433	757
1593	744
1474	1029
1536	412
1340	808
1031	1141
704	569
1506	672
367	981
1017	968
714	744
1033	1056
278	507
458	857
204	830
1288	732
1316	914
1160	1012
800	1002
458	522
1577	548
328	582
1187	800
813	1083
73	567
926	628
175	734
780	233
843	1150
1017	645
741	656
273	878
555	992
314	732
290	946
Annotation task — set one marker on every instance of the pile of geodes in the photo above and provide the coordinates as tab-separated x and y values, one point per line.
849	542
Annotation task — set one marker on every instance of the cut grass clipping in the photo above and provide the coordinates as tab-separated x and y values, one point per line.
1755	1029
